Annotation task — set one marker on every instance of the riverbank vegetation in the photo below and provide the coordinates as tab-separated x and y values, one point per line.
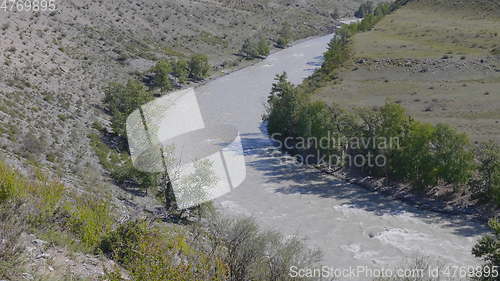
255	49
166	73
340	47
426	156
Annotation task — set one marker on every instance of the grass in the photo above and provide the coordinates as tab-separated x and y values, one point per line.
421	31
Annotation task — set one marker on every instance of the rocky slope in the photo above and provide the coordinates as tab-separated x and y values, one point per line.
54	64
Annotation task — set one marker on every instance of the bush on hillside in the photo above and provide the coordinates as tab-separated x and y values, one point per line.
121	100
181	70
198	67
255	49
284	36
161	72
488	155
488	249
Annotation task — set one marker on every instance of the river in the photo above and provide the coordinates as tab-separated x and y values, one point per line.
351	225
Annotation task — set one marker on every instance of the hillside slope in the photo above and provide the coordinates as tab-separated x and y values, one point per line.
54	66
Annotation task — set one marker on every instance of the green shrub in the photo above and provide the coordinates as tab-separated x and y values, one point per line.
48	209
151	253
452	155
249	49
284	36
488	249
11	184
122	100
122	244
44	196
488	155
263	48
47	200
90	219
198	67
259	49
161	72
253	254
181	70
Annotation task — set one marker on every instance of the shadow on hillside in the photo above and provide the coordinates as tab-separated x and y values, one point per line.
297	179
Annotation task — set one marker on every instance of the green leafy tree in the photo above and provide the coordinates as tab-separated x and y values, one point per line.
284	36
162	71
284	105
181	70
488	155
198	67
249	49
252	49
263	48
452	157
315	122
122	100
394	129
417	151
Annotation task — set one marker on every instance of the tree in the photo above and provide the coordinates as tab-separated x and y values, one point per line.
263	48
394	130
249	49
418	164
364	9
252	49
198	67
181	70
284	106
488	155
122	100
453	160
284	36
162	71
